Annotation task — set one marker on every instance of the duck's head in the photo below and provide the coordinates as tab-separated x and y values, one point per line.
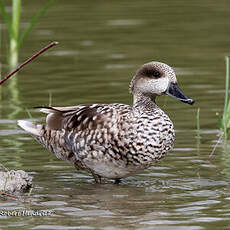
155	79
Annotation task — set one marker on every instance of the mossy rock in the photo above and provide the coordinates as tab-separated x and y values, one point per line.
15	181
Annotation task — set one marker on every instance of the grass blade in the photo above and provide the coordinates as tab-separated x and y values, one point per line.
5	184
6	17
29	113
226	83
198	122
226	113
16	12
34	21
30	191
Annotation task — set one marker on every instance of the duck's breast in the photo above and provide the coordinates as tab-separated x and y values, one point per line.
155	136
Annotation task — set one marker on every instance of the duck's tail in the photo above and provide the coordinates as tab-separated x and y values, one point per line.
50	139
31	128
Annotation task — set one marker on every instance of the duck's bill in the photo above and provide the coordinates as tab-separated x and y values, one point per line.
174	91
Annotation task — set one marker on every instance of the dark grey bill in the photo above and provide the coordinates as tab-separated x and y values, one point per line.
174	91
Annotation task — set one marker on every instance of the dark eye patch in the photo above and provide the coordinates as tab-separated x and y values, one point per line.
156	74
153	73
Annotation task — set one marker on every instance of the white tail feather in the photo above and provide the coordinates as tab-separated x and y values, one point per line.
45	110
30	127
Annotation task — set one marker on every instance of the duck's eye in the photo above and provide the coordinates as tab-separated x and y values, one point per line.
156	74
153	73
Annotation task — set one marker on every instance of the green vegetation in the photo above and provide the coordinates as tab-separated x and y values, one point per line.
224	121
198	123
30	191
15	38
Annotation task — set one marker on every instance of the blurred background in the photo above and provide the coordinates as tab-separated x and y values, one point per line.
101	45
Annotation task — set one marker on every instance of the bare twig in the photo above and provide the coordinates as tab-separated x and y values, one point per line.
4	194
28	60
8	195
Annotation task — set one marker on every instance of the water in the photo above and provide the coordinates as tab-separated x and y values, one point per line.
102	43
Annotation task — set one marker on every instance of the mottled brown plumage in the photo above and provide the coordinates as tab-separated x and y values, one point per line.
114	140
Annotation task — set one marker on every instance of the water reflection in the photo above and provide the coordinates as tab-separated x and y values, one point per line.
225	157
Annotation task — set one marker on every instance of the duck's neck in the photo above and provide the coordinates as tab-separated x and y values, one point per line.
143	101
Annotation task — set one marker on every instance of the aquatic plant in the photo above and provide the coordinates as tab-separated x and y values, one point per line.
198	123
15	38
224	120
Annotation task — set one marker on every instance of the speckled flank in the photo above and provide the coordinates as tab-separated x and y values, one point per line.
114	140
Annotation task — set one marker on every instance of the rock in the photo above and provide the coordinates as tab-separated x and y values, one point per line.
15	181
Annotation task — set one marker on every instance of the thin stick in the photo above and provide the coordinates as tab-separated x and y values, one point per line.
214	149
4	194
9	195
28	60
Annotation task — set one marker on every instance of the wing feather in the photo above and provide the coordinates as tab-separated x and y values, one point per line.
78	117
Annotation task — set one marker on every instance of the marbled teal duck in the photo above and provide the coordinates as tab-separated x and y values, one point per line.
114	140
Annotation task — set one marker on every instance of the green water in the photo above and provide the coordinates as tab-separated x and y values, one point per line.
102	44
